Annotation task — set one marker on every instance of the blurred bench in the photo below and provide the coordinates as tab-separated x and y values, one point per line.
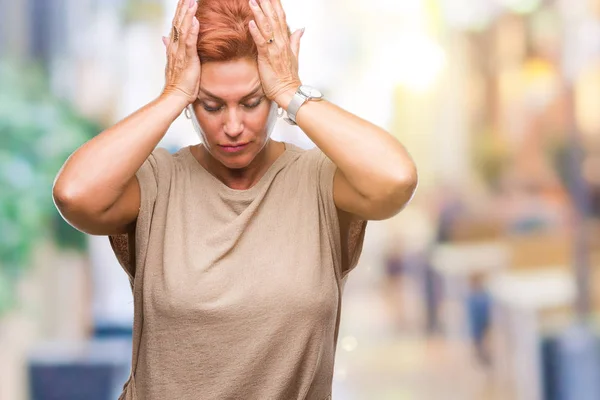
540	250
458	265
521	302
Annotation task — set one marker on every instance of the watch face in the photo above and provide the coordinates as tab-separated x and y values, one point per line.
311	92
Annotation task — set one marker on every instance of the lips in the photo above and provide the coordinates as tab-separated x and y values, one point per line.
233	148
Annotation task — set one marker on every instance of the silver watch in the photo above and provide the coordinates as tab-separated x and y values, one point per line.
302	95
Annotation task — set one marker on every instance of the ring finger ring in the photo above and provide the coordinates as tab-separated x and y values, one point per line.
175	34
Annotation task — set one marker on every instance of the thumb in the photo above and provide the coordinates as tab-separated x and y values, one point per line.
165	41
295	41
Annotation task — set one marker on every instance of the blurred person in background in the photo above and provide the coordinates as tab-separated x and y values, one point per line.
479	311
449	210
237	248
393	293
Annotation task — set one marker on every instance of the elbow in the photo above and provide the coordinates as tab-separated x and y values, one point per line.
61	195
407	188
76	208
65	198
71	198
396	195
65	202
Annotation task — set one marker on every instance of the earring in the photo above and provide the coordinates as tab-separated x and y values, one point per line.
187	114
279	112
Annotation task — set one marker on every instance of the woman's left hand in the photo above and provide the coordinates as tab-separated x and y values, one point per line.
277	60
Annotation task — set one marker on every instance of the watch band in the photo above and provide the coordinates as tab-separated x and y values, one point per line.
300	97
297	101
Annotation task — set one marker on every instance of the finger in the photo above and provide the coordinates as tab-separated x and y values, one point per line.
295	42
187	20
272	17
258	37
188	4
192	39
261	21
267	9
182	7
280	12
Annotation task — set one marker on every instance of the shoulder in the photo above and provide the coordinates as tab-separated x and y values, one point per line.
160	159
163	155
161	163
311	159
312	153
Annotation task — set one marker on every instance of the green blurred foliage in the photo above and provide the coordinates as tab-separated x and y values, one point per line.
37	133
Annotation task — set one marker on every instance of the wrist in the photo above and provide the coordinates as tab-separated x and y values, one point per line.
172	103
285	97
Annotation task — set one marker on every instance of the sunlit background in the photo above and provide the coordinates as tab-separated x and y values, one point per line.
483	288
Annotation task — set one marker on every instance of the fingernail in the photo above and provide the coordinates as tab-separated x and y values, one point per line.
254	3
192	2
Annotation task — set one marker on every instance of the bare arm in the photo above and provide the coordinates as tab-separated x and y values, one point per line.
90	185
375	175
96	190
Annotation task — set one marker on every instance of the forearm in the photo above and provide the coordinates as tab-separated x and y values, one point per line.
371	159
98	171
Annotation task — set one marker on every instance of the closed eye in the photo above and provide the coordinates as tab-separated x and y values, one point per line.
255	104
219	108
211	109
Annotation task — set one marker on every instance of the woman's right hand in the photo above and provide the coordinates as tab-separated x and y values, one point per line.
182	73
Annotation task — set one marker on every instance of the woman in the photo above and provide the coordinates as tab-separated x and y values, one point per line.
236	248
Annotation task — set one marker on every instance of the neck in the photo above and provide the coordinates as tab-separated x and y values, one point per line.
242	178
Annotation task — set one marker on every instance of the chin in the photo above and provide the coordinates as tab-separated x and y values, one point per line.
240	160
237	161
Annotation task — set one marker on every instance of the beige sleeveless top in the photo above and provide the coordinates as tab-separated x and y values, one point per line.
237	293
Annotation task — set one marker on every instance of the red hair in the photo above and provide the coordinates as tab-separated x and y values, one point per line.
224	34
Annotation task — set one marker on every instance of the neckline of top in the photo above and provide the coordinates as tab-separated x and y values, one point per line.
273	168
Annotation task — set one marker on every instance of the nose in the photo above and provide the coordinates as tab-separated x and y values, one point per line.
233	123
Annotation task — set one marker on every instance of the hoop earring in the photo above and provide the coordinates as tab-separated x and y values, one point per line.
187	113
279	112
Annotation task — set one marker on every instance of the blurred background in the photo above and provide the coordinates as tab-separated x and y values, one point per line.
483	288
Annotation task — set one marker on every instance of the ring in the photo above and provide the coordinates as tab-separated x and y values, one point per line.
271	40
175	34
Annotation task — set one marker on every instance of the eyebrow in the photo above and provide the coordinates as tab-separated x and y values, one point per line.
252	93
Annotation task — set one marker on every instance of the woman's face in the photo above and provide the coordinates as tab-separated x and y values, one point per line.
233	111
